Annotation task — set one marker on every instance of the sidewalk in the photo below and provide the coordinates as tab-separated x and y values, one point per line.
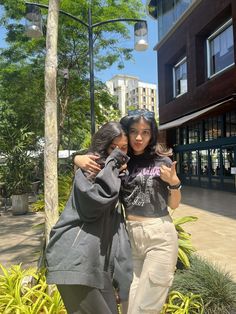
213	234
20	241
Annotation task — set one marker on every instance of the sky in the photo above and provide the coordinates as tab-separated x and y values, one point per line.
143	65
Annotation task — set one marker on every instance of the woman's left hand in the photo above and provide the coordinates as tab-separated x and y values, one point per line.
169	175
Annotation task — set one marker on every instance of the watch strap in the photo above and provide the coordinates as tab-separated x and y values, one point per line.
174	187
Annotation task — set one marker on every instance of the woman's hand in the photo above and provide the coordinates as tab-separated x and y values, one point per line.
87	163
169	175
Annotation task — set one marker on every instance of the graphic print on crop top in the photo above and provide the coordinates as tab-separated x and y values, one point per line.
143	193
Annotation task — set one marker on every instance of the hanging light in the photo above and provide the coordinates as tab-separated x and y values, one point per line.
34	23
140	36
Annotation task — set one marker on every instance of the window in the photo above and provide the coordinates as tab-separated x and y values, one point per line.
230	123
169	11
212	128
193	133
180	78
220	49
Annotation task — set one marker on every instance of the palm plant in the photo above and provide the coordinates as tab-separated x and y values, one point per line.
179	303
184	240
25	291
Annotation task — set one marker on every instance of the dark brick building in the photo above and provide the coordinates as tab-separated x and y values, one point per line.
197	87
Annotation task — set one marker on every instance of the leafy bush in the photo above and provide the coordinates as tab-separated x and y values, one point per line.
25	291
179	303
215	286
64	188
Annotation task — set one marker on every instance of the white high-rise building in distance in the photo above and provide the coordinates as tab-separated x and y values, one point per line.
131	93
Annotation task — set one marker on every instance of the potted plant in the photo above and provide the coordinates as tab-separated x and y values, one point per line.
18	168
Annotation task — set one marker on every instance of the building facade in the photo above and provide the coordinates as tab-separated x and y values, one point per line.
132	93
197	87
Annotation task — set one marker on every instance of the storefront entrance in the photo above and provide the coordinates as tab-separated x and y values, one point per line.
209	168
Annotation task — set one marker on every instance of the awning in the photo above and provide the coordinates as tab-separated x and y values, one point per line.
189	117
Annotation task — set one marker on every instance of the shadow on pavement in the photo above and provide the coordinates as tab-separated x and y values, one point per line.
218	202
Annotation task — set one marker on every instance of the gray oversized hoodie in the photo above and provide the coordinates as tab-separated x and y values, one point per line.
90	221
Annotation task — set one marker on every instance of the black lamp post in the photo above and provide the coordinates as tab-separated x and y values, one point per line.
34	29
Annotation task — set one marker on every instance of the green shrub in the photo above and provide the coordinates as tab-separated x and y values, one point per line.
64	188
215	286
24	291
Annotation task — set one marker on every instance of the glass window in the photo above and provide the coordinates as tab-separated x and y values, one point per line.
169	11
193	133
185	164
177	136
180	78
215	161
203	156
228	160
212	128
220	49
231	123
193	163
184	136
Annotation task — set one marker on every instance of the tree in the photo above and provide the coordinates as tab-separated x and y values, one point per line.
51	131
22	63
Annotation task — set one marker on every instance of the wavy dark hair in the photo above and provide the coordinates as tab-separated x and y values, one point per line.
104	137
128	121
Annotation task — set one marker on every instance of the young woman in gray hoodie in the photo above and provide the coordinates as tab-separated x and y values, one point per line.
89	247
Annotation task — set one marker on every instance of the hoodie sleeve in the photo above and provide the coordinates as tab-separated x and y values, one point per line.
91	199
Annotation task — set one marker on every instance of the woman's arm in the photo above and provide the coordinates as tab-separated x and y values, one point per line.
169	175
87	163
92	198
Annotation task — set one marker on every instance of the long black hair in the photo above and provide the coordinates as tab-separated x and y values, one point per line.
154	148
104	137
129	120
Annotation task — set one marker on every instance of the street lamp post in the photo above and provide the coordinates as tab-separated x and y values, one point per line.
34	29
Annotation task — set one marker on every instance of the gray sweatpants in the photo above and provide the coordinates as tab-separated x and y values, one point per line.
79	299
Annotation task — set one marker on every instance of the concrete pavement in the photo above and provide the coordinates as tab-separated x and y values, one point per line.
213	235
20	239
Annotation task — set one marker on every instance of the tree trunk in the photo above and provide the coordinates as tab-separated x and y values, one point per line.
51	129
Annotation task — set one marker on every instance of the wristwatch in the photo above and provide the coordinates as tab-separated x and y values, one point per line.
175	187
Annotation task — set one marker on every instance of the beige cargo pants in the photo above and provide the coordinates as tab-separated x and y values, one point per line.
154	245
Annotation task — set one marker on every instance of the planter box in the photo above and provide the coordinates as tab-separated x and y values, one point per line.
20	204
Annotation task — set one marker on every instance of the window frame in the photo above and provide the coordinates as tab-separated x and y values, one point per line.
216	33
182	61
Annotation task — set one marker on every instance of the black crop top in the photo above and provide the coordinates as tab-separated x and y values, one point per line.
143	193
